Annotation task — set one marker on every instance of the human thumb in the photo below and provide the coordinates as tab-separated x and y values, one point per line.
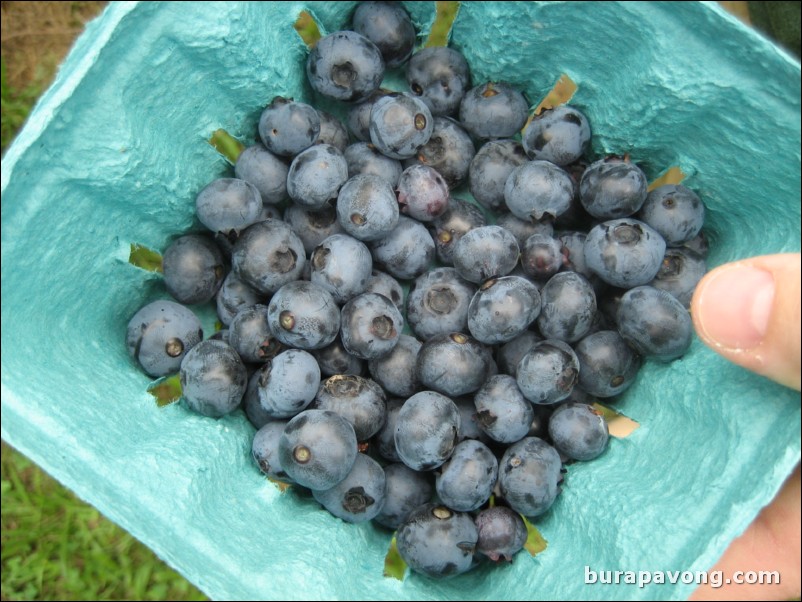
749	312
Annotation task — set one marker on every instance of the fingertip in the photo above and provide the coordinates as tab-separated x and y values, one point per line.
749	312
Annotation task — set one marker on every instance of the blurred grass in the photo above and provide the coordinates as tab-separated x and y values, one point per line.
55	547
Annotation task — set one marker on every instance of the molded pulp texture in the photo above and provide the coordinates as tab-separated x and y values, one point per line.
115	153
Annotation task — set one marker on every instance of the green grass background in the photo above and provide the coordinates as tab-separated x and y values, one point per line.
54	546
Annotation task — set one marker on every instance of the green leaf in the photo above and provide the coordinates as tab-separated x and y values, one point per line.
443	21
619	425
166	390
145	258
535	543
394	565
673	175
307	28
228	146
281	485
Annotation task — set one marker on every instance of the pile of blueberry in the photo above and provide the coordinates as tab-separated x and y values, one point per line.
523	308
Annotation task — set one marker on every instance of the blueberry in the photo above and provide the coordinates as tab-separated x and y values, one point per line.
437	542
359	400
265	450
422	193
400	125
367	208
523	229
193	269
312	227
548	372
452	225
304	315
318	449
502	309
383	441
453	364
342	265
233	296
538	191
510	354
569	307
384	284
468	425
466	480
364	158
359	497
358	118
502	533
439	76
316	175
396	370
438	303
268	255
493	110
560	135
266	171
345	66
529	476
213	378
287	127
612	188
250	335
288	383
160	334
698	244
607	365
332	131
370	326
228	204
578	431
256	414
387	25
485	252
405	490
426	430
680	272
675	211
624	252
541	256
490	168
655	323
502	412
573	252
334	359
406	252
449	151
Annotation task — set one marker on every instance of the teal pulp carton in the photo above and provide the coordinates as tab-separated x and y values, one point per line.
116	151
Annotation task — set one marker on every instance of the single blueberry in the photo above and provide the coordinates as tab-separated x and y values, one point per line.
287	127
345	65
439	75
213	378
160	334
493	110
578	431
193	269
317	449
560	135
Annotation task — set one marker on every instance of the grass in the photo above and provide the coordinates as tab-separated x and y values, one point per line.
55	547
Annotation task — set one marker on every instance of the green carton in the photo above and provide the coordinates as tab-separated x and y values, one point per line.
115	153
